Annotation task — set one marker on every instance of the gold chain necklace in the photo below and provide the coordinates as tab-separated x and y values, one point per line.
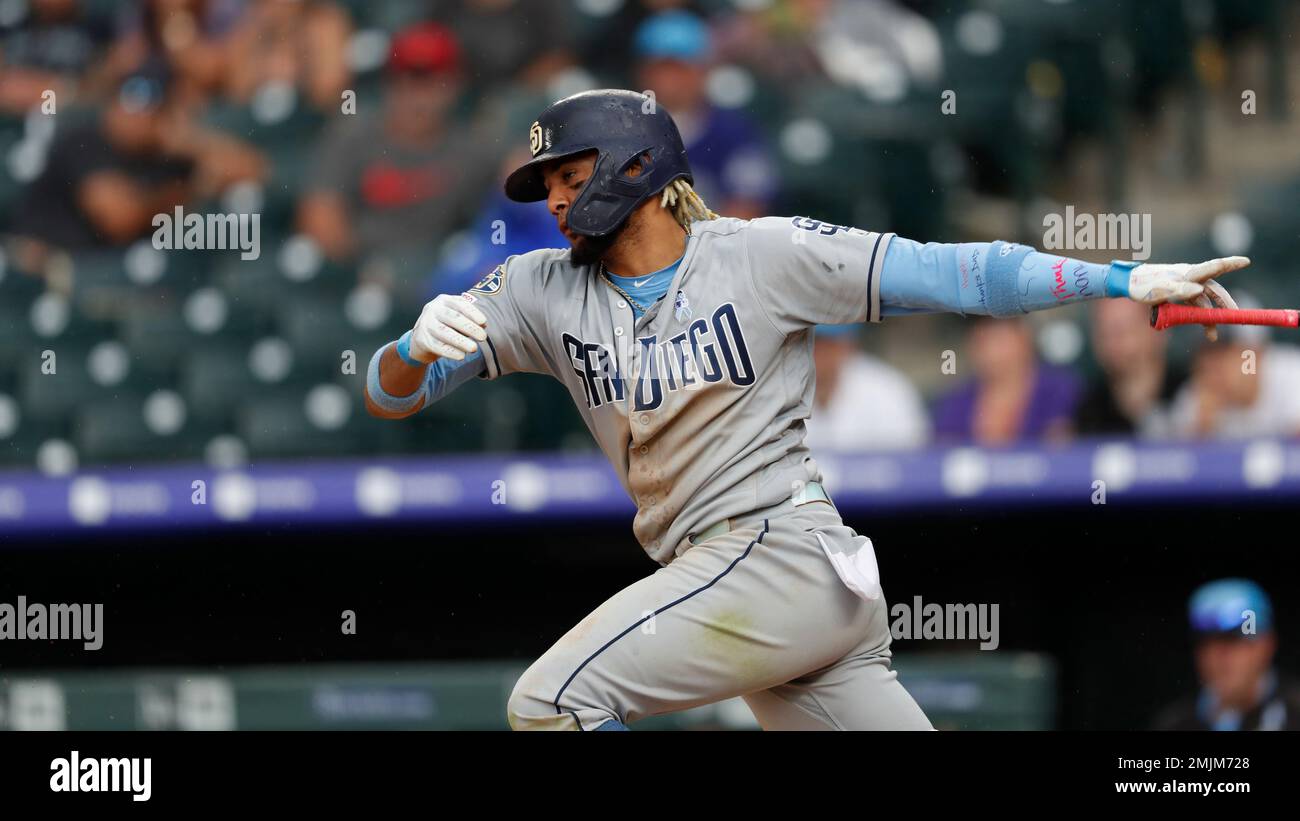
604	277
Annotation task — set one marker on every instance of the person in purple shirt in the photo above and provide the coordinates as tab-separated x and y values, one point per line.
1012	397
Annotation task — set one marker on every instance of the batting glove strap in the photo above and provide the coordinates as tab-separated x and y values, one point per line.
1117	278
404	351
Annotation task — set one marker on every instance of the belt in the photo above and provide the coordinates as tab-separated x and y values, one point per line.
809	492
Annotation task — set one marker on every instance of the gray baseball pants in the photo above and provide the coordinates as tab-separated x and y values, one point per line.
757	612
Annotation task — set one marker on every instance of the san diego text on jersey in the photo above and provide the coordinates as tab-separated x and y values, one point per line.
708	351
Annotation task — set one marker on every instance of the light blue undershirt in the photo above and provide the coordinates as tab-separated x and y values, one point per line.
648	289
989	279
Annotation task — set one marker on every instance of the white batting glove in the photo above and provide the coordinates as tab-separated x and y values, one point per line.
1153	284
448	327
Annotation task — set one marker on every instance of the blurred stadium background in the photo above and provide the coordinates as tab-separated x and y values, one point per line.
369	138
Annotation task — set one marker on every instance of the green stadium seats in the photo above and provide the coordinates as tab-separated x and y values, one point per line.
390	16
135	428
319	331
60	392
543	416
294	424
253	285
157	334
18	447
216	378
16	333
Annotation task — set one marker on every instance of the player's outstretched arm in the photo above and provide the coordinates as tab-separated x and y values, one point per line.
428	361
1005	279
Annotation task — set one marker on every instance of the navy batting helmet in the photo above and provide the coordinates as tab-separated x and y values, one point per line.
623	126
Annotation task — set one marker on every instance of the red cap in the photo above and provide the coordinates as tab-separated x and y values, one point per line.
425	47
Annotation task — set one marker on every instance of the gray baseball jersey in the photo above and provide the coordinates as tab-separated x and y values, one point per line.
700	404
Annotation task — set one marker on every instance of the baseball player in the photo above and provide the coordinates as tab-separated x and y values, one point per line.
685	340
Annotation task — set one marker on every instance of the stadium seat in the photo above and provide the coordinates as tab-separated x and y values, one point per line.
542	416
16	333
319	331
389	16
57	394
116	431
19	448
157	334
216	378
279	425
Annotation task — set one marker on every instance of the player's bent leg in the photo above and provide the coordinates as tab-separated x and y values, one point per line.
743	612
651	648
532	704
860	693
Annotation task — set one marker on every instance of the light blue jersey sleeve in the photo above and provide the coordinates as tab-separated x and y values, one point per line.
446	375
989	279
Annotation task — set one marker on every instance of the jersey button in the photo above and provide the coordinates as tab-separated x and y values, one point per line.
622	304
618	332
645	419
645	448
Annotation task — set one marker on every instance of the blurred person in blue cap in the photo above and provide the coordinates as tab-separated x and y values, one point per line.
612	32
851	383
1232	628
733	168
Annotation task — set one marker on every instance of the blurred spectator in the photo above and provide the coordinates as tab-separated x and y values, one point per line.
860	402
407	177
510	40
606	48
49	46
1013	397
1235	644
104	182
503	228
1241	386
1137	382
303	44
733	169
876	46
186	37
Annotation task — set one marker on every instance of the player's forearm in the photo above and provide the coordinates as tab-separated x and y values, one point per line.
989	279
397	386
394	388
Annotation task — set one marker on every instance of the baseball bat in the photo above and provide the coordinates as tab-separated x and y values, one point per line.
1168	315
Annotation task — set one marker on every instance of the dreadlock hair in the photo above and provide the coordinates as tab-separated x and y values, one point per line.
685	204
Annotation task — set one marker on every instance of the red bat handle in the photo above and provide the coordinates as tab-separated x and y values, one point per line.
1169	315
